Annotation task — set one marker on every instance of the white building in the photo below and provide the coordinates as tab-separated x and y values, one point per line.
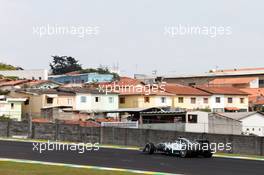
194	121
252	122
32	74
95	101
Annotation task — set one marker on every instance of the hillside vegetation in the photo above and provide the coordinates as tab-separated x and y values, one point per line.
7	67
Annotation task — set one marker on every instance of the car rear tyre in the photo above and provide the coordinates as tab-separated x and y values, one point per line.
149	148
208	155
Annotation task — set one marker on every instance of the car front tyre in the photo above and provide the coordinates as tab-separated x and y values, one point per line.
149	148
183	153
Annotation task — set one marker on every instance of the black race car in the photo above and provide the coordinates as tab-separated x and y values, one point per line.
182	147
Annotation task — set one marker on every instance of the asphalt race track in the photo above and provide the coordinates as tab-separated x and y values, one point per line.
131	159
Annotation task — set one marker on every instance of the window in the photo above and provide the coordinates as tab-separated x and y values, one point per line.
242	100
111	99
192	118
205	100
230	100
97	99
12	105
122	100
26	102
180	100
163	99
217	99
146	99
83	99
69	101
261	83
49	100
193	100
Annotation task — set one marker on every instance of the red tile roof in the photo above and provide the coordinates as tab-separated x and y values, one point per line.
233	80
38	82
105	120
14	82
184	90
41	120
82	123
259	102
222	90
123	81
254	91
256	95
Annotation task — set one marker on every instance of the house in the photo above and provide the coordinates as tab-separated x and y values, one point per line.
242	82
134	98
256	98
123	82
134	93
33	74
205	78
35	84
13	84
92	100
38	99
186	97
226	99
252	122
81	78
42	84
11	107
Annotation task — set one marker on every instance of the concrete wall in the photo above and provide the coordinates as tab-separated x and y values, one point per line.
224	125
250	145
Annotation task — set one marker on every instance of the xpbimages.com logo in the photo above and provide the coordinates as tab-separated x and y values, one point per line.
62	30
81	148
124	88
184	30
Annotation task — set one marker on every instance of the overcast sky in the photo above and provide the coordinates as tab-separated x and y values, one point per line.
131	33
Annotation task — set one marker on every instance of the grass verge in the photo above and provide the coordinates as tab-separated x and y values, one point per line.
14	168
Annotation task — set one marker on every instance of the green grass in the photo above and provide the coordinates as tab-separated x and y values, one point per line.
12	168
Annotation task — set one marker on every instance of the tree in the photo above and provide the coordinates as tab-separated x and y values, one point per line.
101	70
4	66
64	64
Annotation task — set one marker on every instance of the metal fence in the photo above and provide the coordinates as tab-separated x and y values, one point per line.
132	124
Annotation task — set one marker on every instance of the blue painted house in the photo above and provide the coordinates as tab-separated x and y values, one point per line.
82	78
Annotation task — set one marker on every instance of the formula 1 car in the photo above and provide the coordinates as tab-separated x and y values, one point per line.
182	147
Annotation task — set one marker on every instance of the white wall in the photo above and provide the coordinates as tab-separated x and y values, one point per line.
202	122
255	124
158	101
103	104
27	74
213	103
